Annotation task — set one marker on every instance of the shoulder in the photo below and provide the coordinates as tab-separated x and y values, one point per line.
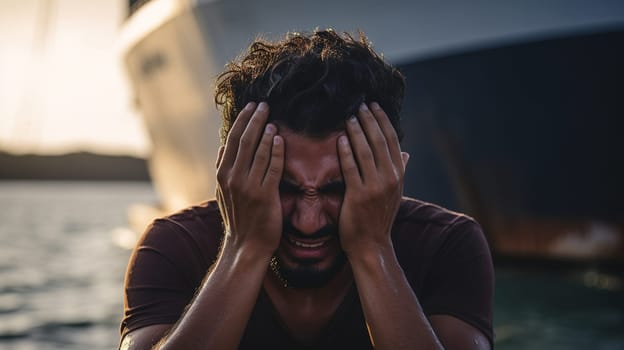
168	263
447	260
198	223
206	213
415	211
425	233
187	240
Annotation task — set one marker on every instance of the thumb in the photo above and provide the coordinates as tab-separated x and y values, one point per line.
219	156
405	158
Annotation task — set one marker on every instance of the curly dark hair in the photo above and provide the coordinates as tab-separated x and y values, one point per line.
312	82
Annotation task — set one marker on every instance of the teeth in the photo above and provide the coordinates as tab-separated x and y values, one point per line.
306	245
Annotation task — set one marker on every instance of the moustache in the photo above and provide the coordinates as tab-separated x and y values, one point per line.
325	231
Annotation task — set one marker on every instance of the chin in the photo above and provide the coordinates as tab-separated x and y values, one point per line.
307	274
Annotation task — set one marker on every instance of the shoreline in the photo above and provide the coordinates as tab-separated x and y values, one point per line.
74	166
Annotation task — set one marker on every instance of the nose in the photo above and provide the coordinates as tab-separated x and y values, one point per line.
308	215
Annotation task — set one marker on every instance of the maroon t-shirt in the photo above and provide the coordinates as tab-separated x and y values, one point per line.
444	255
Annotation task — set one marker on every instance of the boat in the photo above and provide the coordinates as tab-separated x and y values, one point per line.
513	109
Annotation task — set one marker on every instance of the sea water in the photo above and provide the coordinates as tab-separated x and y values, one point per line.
61	272
62	269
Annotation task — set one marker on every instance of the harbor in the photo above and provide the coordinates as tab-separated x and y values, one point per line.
64	249
512	116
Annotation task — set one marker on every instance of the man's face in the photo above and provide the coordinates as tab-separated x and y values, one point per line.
311	192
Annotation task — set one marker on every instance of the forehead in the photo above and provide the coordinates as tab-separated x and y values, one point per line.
310	161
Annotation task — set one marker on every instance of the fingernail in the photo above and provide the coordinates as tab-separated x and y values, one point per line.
352	119
263	106
277	140
375	105
269	129
363	107
249	105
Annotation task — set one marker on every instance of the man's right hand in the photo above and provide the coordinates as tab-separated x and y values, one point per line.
249	169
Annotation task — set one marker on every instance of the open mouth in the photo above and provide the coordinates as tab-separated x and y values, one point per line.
307	245
302	248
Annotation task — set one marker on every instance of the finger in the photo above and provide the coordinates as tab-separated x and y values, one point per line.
404	158
348	165
222	208
250	138
219	197
263	154
392	140
276	165
361	150
219	156
231	144
375	137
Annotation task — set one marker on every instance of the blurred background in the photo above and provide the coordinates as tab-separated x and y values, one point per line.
513	114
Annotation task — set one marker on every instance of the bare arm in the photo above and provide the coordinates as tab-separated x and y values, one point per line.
373	166
248	172
394	316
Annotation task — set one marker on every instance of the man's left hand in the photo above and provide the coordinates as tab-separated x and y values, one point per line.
373	167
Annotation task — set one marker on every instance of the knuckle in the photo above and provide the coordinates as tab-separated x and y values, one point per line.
261	157
378	138
256	119
345	151
375	188
394	179
368	116
244	142
277	151
274	171
367	156
350	167
357	129
390	185
232	183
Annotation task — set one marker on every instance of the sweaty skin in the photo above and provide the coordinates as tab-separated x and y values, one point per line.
368	160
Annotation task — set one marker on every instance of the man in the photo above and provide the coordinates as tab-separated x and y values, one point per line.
310	244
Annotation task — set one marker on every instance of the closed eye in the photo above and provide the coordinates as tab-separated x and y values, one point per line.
286	187
333	188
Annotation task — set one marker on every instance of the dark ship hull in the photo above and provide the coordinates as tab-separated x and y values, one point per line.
528	139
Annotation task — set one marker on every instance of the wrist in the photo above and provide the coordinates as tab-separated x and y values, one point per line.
371	254
244	250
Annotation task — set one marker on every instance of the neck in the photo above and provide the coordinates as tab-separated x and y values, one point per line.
336	288
306	312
